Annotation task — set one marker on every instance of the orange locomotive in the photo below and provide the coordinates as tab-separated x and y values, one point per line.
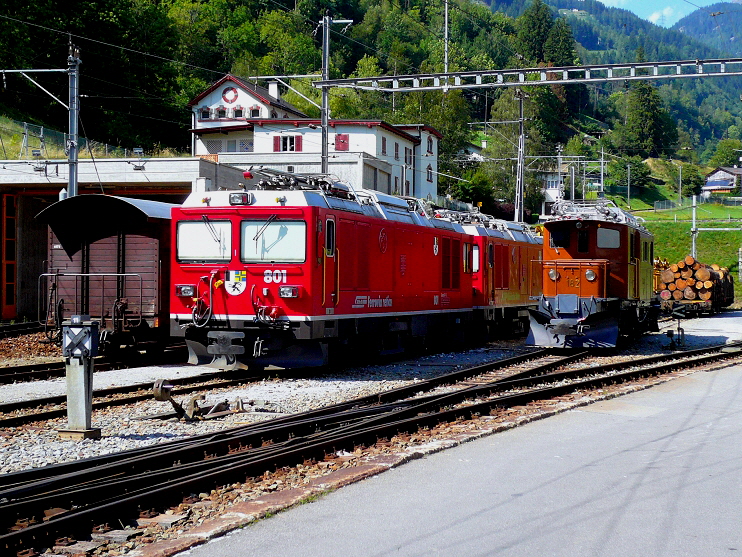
597	278
277	273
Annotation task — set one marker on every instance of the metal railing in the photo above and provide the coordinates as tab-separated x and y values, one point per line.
81	304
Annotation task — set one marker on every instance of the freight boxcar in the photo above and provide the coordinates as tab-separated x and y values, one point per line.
108	257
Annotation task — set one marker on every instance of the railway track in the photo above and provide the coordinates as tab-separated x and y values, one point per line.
40	505
32	372
8	330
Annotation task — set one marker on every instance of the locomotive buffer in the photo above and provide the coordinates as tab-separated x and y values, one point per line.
79	347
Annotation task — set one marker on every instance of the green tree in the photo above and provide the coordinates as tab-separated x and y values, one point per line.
619	173
559	47
533	30
290	47
728	152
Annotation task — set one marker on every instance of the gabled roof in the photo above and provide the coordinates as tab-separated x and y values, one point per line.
733	170
421	127
261	93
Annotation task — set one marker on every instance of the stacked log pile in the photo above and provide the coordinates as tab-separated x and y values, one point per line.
691	280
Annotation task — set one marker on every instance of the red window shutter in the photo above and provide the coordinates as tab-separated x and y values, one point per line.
276	143
341	142
298	142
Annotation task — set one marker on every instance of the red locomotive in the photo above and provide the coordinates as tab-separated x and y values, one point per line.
597	278
277	272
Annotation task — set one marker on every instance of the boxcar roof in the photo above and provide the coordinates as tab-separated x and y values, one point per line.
88	218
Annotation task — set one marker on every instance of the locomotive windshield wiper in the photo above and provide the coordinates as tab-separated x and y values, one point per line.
262	229
212	230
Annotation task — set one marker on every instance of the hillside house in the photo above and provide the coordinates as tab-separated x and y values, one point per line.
243	125
722	180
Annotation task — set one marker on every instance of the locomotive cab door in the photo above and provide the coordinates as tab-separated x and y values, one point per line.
633	266
489	274
330	266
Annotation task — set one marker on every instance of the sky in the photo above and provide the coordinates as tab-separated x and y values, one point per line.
661	12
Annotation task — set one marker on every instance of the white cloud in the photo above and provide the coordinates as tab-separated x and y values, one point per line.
666	13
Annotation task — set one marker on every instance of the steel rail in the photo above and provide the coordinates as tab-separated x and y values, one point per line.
362	426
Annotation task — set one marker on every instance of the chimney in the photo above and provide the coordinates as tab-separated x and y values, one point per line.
273	90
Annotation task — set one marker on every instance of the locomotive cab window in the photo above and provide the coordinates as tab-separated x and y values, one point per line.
204	240
608	238
330	238
559	238
583	241
475	259
273	241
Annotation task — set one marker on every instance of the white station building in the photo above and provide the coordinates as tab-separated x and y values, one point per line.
242	124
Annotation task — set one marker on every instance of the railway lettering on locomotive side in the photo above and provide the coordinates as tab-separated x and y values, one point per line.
369	302
278	276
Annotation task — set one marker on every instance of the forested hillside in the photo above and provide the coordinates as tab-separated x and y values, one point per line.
718	25
144	60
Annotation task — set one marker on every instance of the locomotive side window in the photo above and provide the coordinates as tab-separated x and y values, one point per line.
273	241
608	238
330	238
475	258
583	244
559	238
491	256
467	255
204	240
632	247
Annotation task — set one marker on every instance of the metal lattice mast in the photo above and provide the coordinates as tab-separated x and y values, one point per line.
326	22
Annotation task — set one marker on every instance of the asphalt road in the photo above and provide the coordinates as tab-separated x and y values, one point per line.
654	473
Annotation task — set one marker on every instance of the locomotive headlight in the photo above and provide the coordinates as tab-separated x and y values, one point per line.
185	290
553	274
590	275
242	198
288	291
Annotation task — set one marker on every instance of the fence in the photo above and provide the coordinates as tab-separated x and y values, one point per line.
688	202
29	141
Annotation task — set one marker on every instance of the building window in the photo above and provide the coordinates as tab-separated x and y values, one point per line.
205	114
408	155
396	185
239	113
283	143
274	114
247	145
342	141
221	112
231	145
396	150
429	173
255	112
383	145
213	146
430	144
